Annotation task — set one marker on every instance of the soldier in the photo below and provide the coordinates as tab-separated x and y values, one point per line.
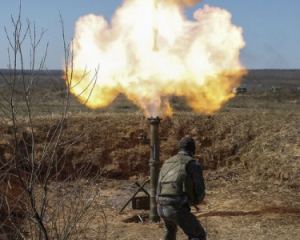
180	186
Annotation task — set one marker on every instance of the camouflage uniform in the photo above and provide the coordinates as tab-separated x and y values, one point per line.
174	208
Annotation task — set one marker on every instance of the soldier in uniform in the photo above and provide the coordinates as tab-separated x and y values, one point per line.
180	186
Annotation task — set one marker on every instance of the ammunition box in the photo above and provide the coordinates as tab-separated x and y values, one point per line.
141	201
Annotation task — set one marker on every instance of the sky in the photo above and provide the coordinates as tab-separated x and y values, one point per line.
271	28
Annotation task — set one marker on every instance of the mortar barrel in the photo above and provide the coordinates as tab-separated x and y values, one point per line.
154	165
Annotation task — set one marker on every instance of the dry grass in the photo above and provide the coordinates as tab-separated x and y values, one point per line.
261	141
249	151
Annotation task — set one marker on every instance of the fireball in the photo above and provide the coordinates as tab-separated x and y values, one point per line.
150	51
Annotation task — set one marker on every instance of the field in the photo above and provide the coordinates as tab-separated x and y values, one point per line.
250	152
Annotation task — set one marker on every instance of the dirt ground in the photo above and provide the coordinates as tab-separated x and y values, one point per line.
251	164
249	150
235	208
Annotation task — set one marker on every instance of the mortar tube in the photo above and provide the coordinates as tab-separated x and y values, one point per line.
154	166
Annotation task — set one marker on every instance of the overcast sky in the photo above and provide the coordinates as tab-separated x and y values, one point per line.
271	28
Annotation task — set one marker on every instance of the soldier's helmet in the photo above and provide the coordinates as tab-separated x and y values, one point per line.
187	144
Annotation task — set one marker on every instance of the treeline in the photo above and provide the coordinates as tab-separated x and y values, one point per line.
52	73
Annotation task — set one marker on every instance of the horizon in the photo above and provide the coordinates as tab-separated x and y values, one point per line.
252	69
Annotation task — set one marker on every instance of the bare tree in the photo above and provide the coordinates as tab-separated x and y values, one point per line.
42	195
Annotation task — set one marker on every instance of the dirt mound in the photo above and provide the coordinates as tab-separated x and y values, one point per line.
264	143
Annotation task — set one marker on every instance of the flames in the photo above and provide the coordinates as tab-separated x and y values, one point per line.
151	52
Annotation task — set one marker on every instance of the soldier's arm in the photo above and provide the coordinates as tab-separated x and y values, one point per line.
194	169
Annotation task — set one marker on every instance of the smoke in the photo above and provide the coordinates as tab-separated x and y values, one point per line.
188	3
